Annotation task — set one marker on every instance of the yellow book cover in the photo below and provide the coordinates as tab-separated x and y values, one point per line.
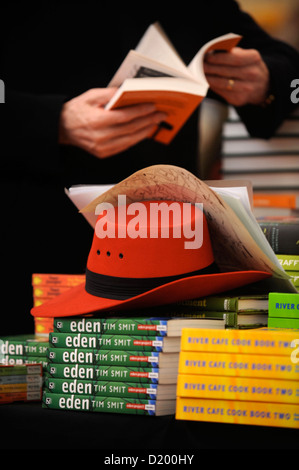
49	291
238	412
238	388
20	387
276	341
239	365
48	279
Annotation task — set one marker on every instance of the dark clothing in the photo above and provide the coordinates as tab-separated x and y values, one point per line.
53	52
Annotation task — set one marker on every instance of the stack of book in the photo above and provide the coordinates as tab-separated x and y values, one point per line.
238	311
20	383
282	234
23	349
272	165
119	365
283	310
45	286
239	376
290	264
276	203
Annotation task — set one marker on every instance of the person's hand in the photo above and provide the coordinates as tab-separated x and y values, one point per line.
240	76
86	124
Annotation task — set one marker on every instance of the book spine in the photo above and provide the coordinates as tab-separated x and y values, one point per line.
238	412
288	201
275	322
231	320
23	360
238	388
213	303
289	262
283	238
20	379
112	373
104	388
21	396
294	276
257	341
98	341
15	347
115	326
24	369
99	404
220	303
105	357
283	304
43	326
238	365
20	387
65	280
48	292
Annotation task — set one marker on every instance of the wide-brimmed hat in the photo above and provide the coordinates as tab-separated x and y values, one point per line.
139	260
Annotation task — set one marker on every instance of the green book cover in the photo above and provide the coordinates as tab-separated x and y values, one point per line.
108	404
109	388
275	322
289	262
294	275
123	342
227	303
250	319
112	357
283	305
19	360
22	369
115	373
123	326
27	345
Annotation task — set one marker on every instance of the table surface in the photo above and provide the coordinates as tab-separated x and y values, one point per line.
29	426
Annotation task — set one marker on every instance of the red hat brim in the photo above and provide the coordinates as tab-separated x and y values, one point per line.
77	301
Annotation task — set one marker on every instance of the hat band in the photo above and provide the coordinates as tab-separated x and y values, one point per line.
122	288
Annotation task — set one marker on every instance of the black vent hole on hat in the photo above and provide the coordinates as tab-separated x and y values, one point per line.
108	253
120	255
98	252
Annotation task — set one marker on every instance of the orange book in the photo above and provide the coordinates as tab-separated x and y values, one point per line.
49	291
43	326
21	396
54	280
288	201
155	73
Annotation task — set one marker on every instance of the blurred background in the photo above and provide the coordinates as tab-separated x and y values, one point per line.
279	17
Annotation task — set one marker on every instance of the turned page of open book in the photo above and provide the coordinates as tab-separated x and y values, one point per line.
156	45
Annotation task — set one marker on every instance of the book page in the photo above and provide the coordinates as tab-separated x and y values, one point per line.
156	45
134	63
81	195
225	43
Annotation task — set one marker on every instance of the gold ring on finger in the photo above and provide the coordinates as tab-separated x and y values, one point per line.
230	84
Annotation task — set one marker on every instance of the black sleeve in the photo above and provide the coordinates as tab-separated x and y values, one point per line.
282	61
30	134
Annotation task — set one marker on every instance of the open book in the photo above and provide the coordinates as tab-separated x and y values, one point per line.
237	239
155	73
